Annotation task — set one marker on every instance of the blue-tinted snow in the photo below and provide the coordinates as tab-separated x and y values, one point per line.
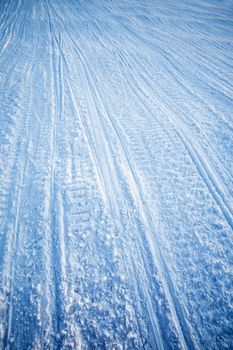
116	174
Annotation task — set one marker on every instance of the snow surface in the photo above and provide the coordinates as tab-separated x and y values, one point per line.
116	174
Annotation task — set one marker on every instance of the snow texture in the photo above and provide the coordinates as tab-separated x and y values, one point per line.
116	174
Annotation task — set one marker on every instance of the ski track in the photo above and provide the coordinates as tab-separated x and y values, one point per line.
116	176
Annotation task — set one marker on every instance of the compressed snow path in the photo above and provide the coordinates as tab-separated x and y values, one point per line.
116	174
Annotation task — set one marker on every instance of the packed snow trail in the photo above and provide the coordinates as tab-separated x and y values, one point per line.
116	174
